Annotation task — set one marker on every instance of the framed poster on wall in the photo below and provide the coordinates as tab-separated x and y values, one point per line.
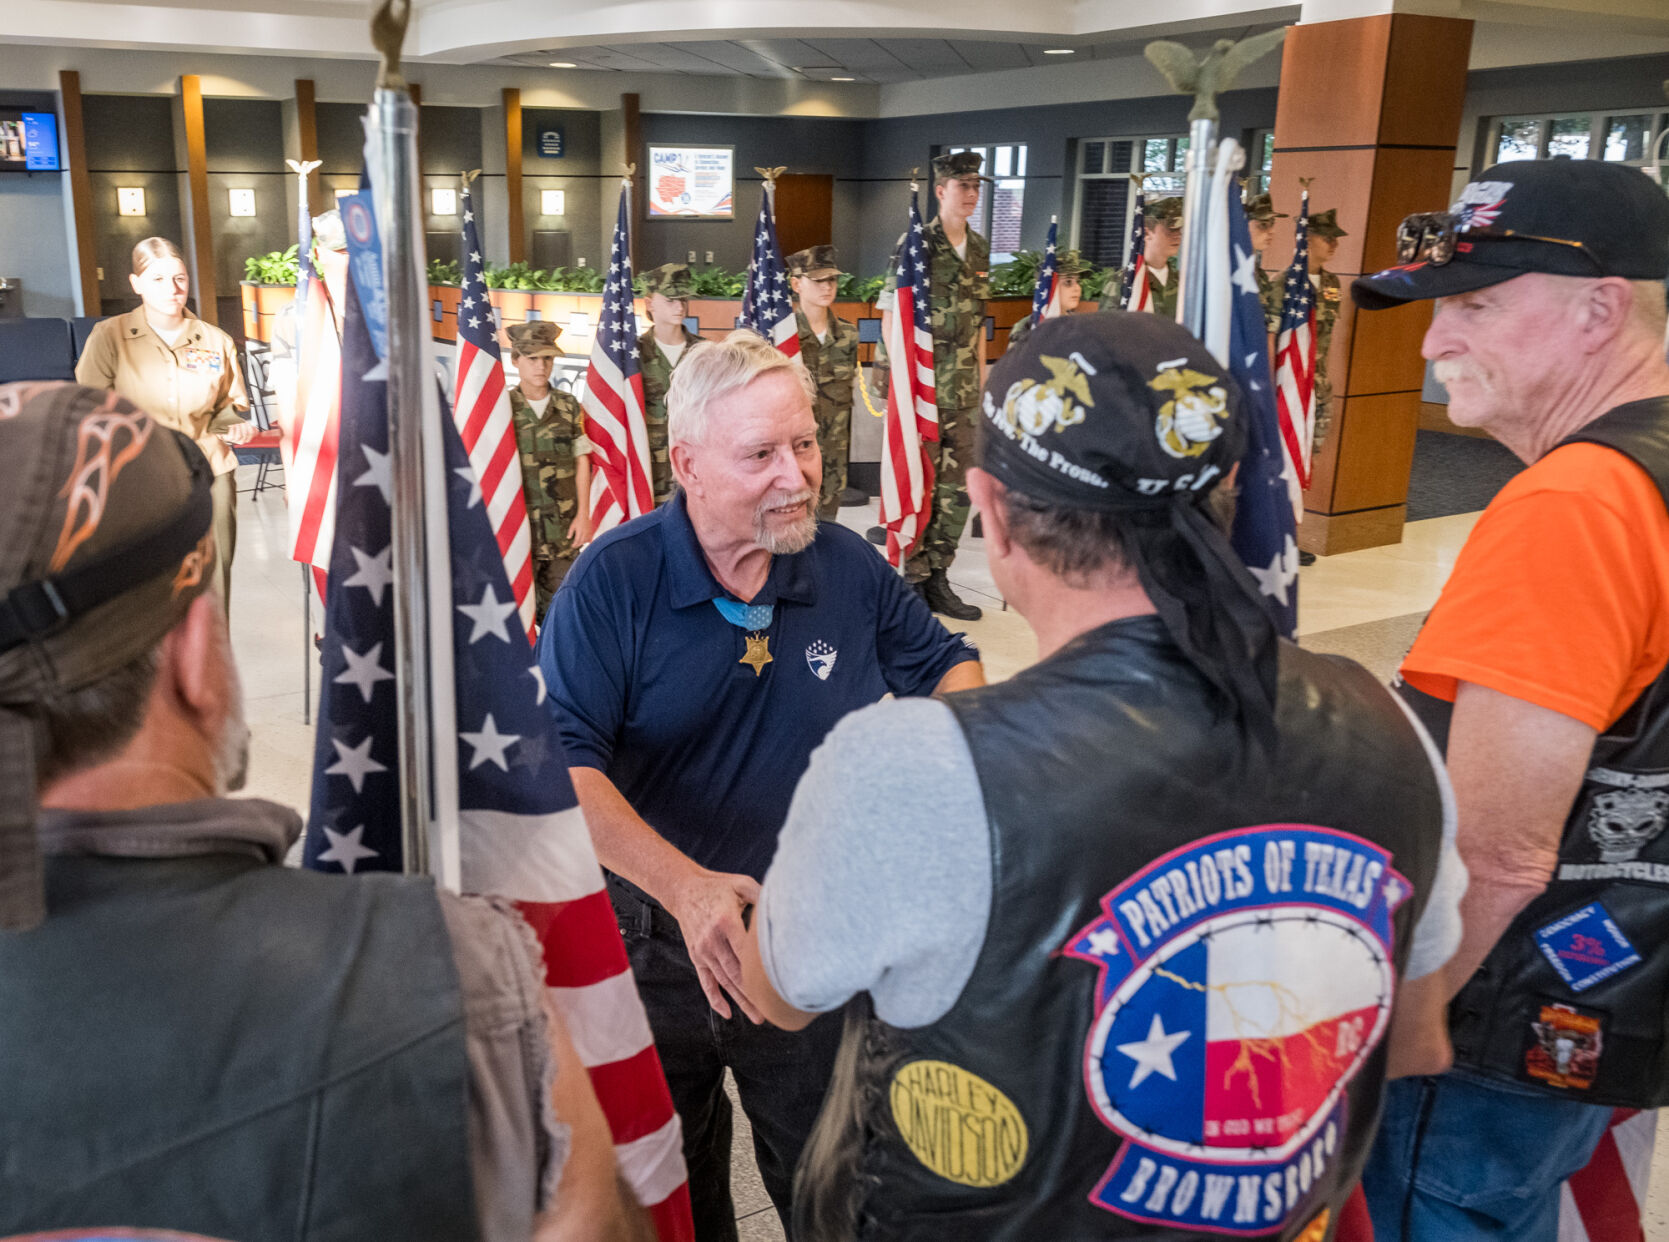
691	183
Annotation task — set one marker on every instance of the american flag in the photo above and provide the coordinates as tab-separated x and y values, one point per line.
481	408
766	306
1134	294
613	398
1295	344
912	409
1265	528
1046	298
522	834
306	379
1603	1201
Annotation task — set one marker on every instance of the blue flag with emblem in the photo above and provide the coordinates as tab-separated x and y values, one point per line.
1265	531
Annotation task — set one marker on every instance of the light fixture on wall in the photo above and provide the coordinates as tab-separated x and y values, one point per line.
579	323
130	201
443	201
242	202
553	202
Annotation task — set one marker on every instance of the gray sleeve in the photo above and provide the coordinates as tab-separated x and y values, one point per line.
1437	934
882	877
517	1146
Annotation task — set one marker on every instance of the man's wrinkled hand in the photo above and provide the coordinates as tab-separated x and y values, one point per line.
708	907
238	433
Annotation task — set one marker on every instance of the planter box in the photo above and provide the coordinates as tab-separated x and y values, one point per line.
260	304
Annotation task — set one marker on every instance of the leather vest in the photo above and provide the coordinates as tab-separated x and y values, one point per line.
1574	997
1175	1025
234	1048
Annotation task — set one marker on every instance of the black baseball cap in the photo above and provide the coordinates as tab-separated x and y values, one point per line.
1562	217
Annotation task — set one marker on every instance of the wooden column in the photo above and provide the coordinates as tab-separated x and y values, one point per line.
81	191
200	241
513	173
1370	108
307	136
632	130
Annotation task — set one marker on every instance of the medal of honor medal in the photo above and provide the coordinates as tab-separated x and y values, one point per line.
758	654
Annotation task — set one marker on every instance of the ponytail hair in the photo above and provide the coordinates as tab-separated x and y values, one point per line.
150	250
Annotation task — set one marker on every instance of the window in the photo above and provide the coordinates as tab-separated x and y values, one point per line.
1002	202
1619	137
1263	153
1106	195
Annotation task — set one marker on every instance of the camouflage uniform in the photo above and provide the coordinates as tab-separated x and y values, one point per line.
1328	293
550	449
833	365
670	280
1271	290
1068	263
1163	295
958	288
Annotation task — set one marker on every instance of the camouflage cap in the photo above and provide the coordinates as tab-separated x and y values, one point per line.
1071	263
1326	224
104	543
958	164
536	339
1168	209
670	280
1261	207
814	261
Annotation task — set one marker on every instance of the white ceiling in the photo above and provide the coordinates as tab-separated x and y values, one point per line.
820	60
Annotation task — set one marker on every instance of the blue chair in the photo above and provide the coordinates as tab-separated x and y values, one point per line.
35	349
869	332
81	327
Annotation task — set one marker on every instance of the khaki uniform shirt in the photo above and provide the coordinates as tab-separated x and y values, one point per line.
195	386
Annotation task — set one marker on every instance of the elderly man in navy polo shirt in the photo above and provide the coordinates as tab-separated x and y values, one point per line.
695	657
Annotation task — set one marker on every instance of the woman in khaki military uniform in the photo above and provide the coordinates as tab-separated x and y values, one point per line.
182	372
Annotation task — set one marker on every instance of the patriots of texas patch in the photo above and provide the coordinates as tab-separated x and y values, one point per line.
1244	980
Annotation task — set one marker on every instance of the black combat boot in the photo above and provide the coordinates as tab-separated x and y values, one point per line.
941	599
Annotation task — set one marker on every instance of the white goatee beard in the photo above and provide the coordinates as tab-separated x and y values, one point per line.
796	538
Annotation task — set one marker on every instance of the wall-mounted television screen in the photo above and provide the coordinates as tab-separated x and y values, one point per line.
28	141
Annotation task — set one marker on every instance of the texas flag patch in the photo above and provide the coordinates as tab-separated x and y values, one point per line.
1244	981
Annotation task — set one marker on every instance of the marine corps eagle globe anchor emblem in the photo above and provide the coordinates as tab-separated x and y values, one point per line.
1193	417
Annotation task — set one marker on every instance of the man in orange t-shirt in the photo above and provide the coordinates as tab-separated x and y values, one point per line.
1536	662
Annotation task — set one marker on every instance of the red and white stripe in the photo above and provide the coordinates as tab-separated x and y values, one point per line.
1141	293
309	394
912	418
618	428
481	409
1295	350
1603	1201
546	864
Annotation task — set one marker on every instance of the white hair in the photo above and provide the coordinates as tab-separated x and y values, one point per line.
717	369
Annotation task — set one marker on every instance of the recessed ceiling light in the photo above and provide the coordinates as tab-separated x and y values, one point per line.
843	79
1059	51
563	64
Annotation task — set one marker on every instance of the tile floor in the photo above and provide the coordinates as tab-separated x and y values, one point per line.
1367	605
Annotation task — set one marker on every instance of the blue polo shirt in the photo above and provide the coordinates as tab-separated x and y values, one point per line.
647	683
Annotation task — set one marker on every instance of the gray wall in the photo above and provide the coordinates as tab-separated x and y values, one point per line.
578	174
244	146
804	144
130	142
34	240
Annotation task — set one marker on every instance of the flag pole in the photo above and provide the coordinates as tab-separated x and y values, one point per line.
421	597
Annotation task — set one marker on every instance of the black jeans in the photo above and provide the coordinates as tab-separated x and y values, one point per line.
780	1075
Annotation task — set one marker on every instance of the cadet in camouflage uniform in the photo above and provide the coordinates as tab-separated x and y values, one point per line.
1161	239
958	285
829	349
1324	242
1260	218
666	300
1069	273
555	456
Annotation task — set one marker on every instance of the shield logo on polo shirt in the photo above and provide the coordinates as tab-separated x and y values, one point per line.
821	657
1244	980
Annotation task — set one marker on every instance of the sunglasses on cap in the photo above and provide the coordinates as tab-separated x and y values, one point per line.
1433	237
